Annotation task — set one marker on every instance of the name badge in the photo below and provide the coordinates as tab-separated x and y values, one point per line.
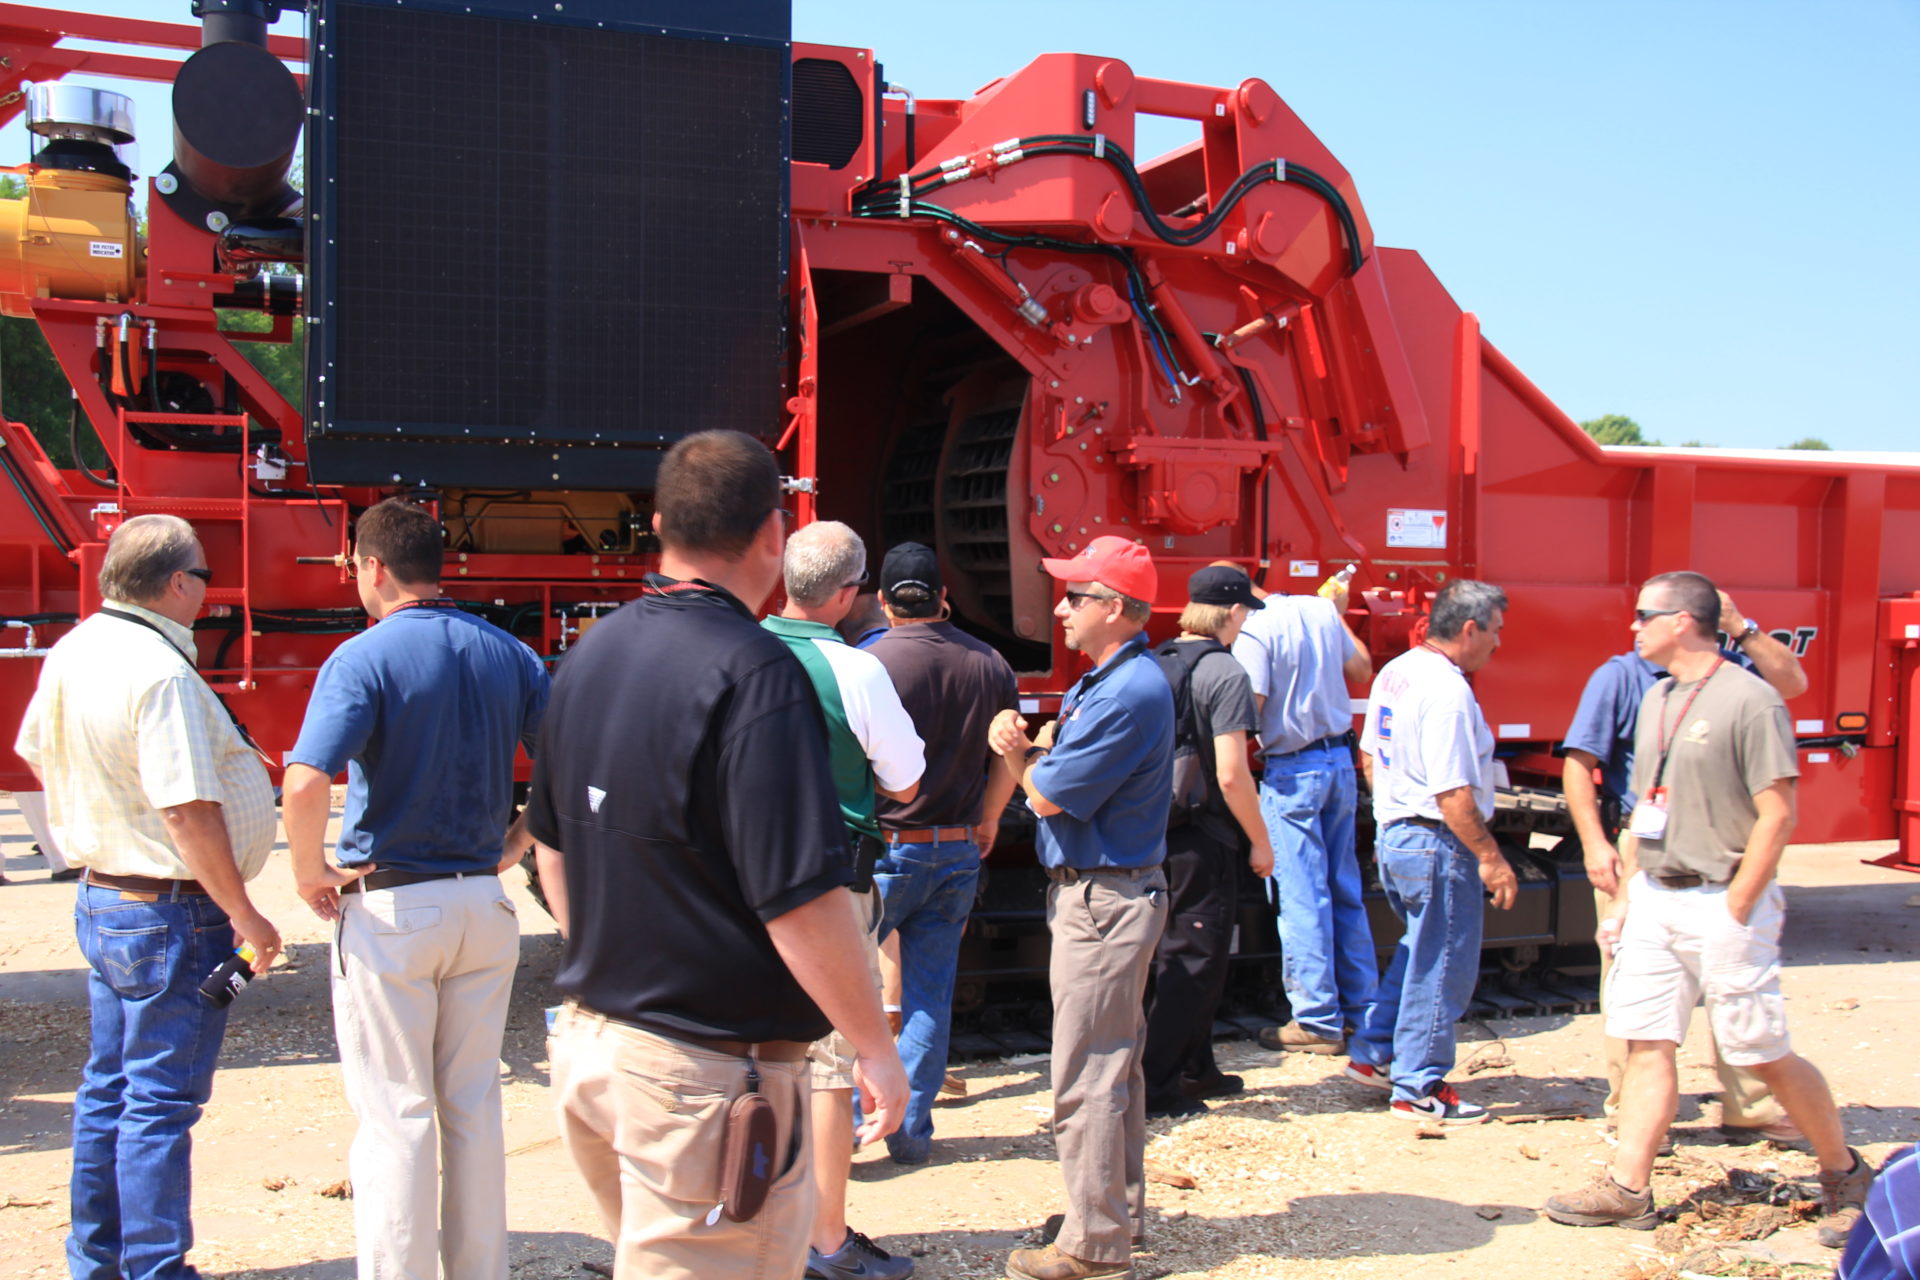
1650	815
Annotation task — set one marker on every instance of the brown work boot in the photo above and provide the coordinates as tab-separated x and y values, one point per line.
1605	1203
1297	1039
1846	1197
1054	1263
953	1088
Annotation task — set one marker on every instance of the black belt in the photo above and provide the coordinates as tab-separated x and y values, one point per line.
764	1050
1332	740
394	879
1431	824
1068	875
143	884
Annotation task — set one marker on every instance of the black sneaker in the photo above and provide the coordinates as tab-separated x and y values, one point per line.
858	1258
1217	1085
1163	1108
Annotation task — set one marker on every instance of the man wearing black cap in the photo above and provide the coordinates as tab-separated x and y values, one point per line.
951	685
1215	805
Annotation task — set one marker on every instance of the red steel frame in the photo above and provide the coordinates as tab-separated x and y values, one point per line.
1376	392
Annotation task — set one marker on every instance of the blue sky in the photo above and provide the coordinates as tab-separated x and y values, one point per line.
1699	213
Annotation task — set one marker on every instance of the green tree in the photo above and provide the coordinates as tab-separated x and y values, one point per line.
1615	428
1808	442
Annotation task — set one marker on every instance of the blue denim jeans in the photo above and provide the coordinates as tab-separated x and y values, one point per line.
1326	947
1433	884
926	893
149	1071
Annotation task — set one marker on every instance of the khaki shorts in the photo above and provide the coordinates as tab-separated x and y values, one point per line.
1680	946
831	1056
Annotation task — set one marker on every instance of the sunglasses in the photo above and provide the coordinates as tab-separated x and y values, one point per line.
1078	599
860	581
1644	616
205	575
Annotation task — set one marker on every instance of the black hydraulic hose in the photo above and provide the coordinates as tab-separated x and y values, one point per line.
48	525
1115	155
73	446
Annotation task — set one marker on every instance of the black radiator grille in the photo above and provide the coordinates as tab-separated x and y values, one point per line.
829	113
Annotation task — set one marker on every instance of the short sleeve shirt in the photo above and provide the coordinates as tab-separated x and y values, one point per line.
1222	703
1604	723
1733	741
1294	651
1111	767
121	727
1426	735
683	775
425	711
952	685
871	736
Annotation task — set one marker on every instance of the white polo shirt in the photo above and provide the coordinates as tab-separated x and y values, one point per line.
1426	735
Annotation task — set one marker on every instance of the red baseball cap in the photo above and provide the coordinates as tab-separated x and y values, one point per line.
1118	564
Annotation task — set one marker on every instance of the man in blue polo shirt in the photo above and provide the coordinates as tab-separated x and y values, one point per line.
1100	780
425	712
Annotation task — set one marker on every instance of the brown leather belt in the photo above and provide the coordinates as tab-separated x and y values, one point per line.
929	835
394	879
1683	880
143	884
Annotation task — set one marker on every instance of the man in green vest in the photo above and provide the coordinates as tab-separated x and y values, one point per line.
873	747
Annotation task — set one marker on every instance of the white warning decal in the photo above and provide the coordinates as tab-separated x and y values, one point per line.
1416	527
106	249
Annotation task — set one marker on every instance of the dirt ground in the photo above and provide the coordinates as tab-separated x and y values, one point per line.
1304	1174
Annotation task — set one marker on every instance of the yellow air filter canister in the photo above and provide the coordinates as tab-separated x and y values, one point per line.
70	236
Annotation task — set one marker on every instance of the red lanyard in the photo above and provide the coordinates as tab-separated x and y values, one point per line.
1666	745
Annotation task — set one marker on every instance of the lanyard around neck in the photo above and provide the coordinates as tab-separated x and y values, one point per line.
1667	743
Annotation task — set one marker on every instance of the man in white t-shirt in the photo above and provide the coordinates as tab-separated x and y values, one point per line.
1428	756
873	747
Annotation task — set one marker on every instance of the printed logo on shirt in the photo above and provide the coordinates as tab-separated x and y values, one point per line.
1697	732
1384	732
594	796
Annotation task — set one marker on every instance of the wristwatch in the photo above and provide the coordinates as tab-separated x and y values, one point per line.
1752	630
1034	751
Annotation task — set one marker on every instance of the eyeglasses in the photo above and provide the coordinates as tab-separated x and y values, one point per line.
205	575
1078	599
1644	616
860	581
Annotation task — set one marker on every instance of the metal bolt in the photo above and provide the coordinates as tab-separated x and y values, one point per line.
1055	383
166	184
1053	477
1059	528
217	221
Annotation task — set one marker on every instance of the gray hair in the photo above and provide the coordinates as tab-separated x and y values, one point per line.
143	555
822	558
1464	600
1693	594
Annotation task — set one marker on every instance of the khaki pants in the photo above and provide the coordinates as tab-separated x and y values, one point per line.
1105	928
1744	1098
421	977
643	1117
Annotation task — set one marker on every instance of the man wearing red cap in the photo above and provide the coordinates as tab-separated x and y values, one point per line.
1100	780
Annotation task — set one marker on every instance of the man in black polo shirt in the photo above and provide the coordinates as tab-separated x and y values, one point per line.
685	813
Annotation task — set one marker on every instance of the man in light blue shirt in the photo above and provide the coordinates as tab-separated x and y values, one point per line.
1299	654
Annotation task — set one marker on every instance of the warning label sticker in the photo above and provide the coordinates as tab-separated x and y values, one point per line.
106	249
1415	527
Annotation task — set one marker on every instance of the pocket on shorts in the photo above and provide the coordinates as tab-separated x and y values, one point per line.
133	961
670	1135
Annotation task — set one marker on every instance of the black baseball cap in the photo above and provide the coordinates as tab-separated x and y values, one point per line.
910	569
1220	584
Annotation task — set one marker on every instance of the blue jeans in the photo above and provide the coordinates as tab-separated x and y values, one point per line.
926	893
1433	884
1326	947
149	1071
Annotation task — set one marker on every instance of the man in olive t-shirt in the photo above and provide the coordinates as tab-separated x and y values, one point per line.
1714	772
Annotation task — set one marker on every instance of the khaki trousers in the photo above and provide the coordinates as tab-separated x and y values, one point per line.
1105	928
421	977
643	1117
1744	1097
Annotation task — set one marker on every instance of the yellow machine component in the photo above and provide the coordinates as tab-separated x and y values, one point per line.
71	236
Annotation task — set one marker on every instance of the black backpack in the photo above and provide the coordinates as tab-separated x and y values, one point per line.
1196	787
